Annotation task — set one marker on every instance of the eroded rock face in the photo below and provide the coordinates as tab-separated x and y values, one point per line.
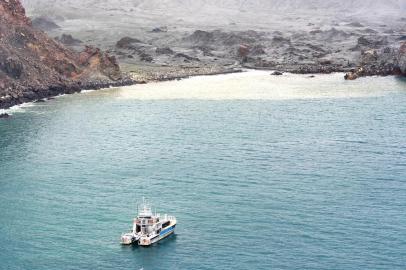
14	12
402	58
95	61
386	61
33	66
11	66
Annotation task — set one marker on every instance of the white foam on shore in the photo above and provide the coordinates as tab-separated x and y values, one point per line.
260	85
21	107
249	85
17	108
87	91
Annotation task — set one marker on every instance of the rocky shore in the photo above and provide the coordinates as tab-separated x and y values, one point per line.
34	94
342	48
35	65
381	62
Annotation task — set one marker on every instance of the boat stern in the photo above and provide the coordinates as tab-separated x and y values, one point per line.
144	241
128	239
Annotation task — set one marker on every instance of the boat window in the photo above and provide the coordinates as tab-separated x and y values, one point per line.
137	228
166	224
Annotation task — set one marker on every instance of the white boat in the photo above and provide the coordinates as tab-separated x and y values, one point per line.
149	228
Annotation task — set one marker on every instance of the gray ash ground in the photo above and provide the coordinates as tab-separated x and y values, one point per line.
156	39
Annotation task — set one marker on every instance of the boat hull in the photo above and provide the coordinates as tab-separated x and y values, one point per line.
145	241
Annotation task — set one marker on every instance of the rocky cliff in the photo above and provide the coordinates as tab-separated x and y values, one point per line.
34	66
383	62
402	58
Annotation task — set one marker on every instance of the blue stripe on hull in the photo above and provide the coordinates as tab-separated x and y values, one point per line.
168	230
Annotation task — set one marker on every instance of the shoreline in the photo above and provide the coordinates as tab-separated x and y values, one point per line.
32	95
7	103
35	95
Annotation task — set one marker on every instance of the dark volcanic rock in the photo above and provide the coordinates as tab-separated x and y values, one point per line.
332	35
402	58
44	24
280	40
201	37
369	31
127	42
165	50
68	40
277	73
257	50
220	38
236	38
207	51
370	42
145	57
186	57
355	24
4	115
161	29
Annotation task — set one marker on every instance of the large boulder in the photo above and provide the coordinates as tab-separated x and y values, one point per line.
44	24
4	115
164	50
201	37
68	40
370	42
127	42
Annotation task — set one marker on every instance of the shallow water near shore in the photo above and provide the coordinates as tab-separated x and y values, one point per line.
262	172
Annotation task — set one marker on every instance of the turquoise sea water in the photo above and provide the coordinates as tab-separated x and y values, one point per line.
261	173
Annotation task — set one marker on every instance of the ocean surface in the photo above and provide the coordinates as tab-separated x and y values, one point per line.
262	172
